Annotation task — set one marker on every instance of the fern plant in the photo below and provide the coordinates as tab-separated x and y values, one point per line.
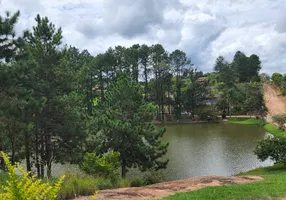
26	187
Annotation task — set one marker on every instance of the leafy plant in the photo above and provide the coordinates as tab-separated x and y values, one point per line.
280	120
101	165
273	148
26	187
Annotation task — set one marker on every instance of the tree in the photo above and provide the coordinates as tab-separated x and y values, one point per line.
179	61
125	125
273	148
227	76
8	43
277	79
58	118
264	78
246	68
144	57
160	68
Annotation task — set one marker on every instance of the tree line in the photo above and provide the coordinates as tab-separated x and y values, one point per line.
58	102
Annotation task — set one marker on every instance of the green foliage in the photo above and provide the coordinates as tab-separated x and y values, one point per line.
273	148
152	176
280	120
274	130
137	182
271	188
8	43
26	187
125	125
277	79
101	165
206	113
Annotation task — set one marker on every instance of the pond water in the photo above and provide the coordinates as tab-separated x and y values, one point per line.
212	149
204	149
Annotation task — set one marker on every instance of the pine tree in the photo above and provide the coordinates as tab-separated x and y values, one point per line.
125	125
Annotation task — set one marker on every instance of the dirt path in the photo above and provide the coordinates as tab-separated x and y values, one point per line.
168	188
274	101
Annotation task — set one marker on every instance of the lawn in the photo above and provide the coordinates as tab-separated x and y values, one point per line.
274	185
274	130
244	120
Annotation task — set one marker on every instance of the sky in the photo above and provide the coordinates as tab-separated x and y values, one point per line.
204	29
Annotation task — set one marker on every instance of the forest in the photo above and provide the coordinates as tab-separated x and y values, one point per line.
59	103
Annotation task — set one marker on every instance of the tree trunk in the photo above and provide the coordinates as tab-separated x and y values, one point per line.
27	152
146	80
101	87
13	149
49	169
2	164
123	168
37	150
42	163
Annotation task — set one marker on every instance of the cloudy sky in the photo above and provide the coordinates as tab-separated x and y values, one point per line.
204	29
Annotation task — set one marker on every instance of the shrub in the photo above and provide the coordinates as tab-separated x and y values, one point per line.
102	165
277	78
75	186
280	120
153	176
26	187
273	148
206	113
137	182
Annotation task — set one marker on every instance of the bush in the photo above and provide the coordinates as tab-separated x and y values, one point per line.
277	78
137	182
280	120
102	165
206	113
153	176
25	186
273	148
75	186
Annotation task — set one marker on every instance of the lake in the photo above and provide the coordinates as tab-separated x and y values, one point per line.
204	149
212	149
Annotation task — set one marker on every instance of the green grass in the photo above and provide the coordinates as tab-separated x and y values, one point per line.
274	130
244	121
273	186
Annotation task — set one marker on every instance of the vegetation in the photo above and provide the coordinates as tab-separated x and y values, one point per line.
274	130
280	81
125	125
273	148
272	187
280	120
59	104
26	187
102	165
244	121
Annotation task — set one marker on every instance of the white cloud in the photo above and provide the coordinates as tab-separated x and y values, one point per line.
204	29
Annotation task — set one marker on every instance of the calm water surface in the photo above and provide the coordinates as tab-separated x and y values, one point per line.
212	149
204	149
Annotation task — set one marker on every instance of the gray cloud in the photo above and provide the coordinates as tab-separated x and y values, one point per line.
204	29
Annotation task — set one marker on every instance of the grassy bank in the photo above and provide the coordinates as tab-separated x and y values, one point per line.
85	185
274	130
272	187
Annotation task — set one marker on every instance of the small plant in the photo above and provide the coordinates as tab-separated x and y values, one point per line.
102	165
137	182
25	186
280	120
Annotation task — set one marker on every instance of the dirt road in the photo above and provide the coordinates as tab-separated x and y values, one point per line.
274	101
160	190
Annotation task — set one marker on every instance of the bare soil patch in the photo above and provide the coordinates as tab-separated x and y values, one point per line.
164	189
274	101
